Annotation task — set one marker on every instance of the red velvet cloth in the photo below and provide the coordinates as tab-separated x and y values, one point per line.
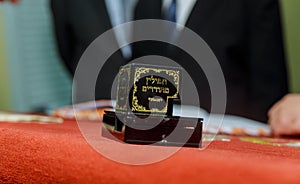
51	153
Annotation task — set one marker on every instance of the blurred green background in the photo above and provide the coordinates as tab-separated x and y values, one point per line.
32	77
26	39
5	98
291	26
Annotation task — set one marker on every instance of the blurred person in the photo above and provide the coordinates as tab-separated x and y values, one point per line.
11	1
284	116
77	24
245	35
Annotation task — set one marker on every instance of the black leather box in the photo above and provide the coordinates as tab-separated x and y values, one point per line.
146	96
147	89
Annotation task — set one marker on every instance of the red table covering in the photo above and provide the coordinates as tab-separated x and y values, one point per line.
58	153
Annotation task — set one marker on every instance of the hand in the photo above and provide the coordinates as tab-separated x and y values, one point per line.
12	1
284	116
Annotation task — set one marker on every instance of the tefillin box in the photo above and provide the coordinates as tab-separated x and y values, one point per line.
146	97
144	89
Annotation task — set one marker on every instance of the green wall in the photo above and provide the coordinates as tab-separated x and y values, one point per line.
5	98
291	23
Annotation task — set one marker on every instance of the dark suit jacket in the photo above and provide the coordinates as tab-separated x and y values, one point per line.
78	23
245	35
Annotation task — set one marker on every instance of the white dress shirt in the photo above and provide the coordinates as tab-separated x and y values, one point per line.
121	11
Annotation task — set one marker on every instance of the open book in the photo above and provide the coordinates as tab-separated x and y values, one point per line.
227	124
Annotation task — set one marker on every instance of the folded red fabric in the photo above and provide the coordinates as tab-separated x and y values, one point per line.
51	153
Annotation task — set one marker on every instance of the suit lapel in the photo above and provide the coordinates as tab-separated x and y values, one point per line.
99	6
202	12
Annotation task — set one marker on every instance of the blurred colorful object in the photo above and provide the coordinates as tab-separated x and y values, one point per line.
12	1
88	111
28	118
272	141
